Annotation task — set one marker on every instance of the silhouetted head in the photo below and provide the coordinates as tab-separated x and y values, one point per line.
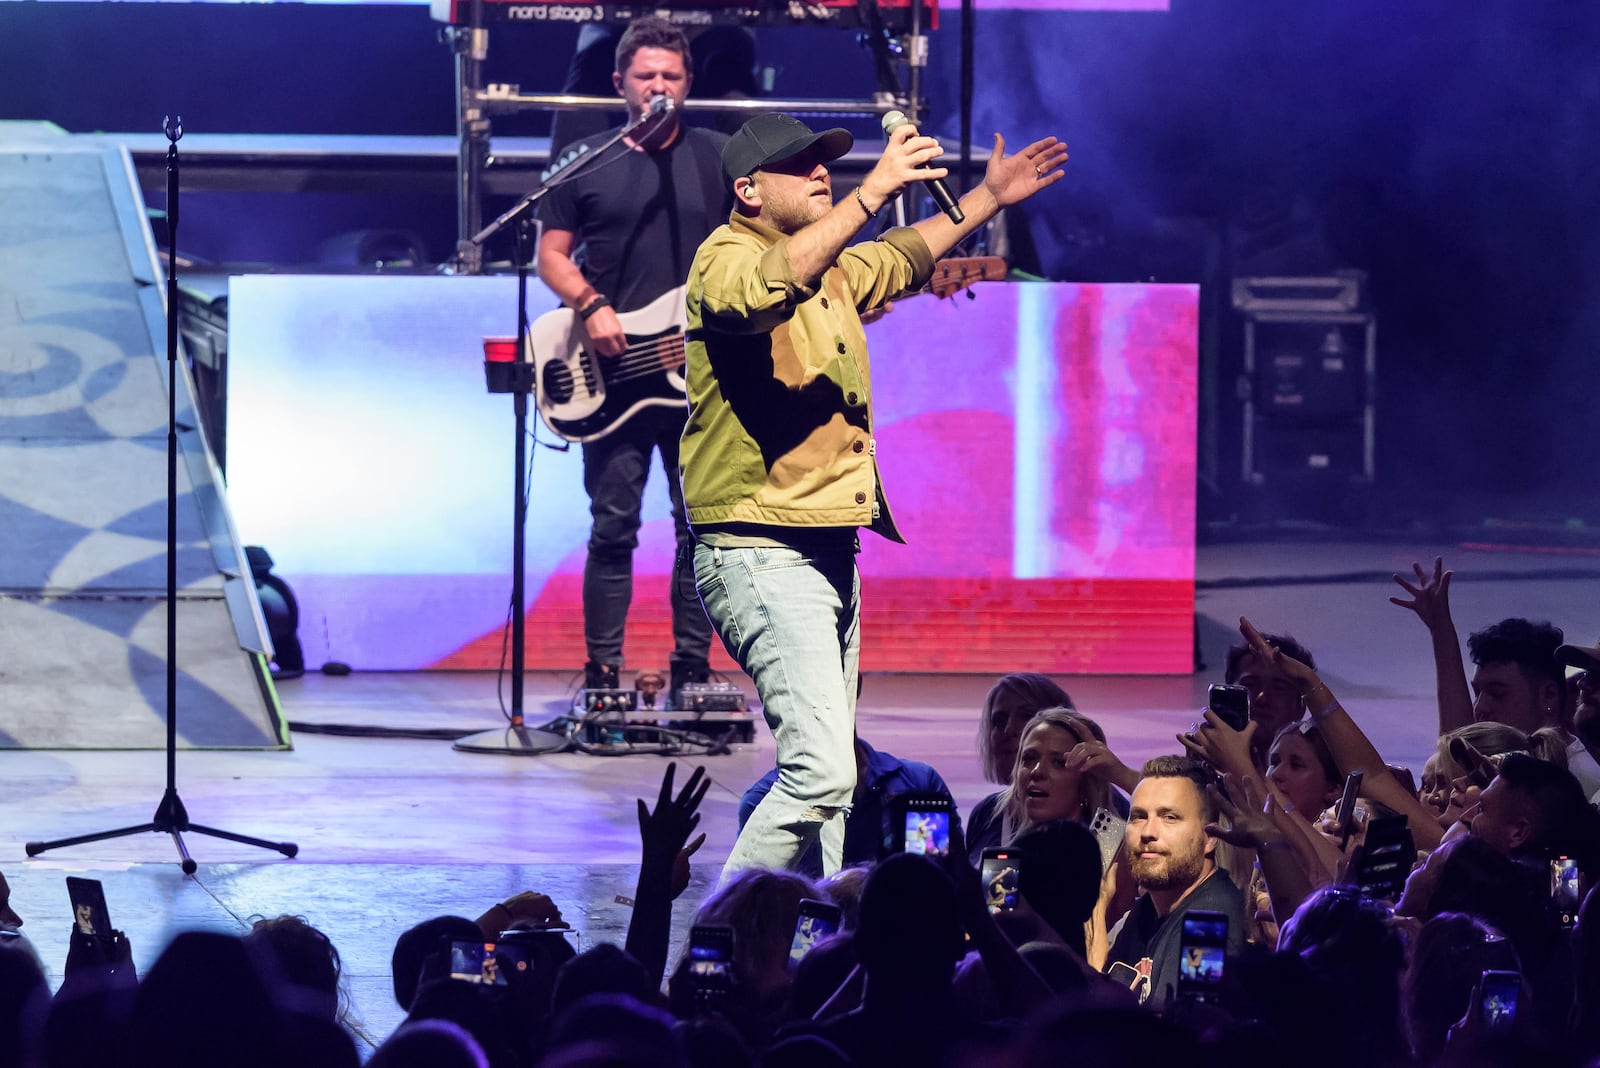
305	957
761	907
635	1033
602	969
24	999
1447	957
429	1044
417	944
1060	876
206	992
910	937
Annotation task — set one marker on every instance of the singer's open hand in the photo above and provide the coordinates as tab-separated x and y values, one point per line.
1012	179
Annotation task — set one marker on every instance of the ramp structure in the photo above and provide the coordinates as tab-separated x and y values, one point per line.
83	436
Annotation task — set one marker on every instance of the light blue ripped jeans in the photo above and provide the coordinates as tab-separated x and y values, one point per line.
792	621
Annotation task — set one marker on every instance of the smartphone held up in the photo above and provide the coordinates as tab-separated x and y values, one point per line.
1001	873
918	823
817	921
1230	704
1203	955
89	913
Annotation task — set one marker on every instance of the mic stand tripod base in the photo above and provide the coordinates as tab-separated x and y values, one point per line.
517	741
170	818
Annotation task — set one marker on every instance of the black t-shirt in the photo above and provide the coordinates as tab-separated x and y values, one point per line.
1150	944
638	217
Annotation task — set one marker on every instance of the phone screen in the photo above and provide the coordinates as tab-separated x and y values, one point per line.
1002	874
1202	955
818	920
1564	889
1386	857
1497	1004
475	962
1231	704
927	832
89	912
710	956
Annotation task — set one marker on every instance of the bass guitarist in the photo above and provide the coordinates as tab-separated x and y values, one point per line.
616	237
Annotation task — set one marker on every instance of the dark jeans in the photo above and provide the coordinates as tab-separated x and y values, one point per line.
614	472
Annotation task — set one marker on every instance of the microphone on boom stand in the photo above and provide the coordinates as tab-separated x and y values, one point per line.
656	116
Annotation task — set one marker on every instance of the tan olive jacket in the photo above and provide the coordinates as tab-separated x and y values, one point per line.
780	394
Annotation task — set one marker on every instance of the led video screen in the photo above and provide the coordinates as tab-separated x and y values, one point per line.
1036	442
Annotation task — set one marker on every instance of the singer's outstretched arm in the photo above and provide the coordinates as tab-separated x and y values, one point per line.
1007	180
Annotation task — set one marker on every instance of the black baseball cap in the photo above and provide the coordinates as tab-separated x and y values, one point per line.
771	137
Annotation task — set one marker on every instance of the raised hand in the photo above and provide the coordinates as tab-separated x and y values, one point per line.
1097	759
1430	597
1303	675
664	831
1221	746
1252	816
1012	179
534	909
1477	767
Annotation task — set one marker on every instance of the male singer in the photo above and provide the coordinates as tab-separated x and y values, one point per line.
633	221
779	462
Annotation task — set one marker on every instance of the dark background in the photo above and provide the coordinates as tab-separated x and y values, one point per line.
1449	150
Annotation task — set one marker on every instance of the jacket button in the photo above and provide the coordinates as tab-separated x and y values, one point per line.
861	498
824	302
849	398
858	447
842	349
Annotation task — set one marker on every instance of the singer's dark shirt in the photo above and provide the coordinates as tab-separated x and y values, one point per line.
638	217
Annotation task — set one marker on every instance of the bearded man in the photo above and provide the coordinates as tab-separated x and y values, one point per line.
1173	860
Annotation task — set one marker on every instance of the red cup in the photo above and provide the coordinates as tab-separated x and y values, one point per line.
500	349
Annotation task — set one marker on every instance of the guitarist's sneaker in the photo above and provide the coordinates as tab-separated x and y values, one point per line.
600	676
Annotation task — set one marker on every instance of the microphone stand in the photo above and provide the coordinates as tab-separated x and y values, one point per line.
170	816
517	379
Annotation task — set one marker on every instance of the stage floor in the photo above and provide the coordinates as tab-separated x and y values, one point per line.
392	831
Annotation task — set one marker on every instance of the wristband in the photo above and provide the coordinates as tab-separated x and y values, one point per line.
870	213
593	306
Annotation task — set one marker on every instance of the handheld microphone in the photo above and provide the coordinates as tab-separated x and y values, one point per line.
661	104
940	192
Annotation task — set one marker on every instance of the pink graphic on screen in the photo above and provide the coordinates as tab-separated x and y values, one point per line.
1037	447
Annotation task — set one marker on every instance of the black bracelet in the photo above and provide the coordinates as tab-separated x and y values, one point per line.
870	213
593	306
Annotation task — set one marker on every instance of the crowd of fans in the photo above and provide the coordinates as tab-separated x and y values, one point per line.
1275	894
